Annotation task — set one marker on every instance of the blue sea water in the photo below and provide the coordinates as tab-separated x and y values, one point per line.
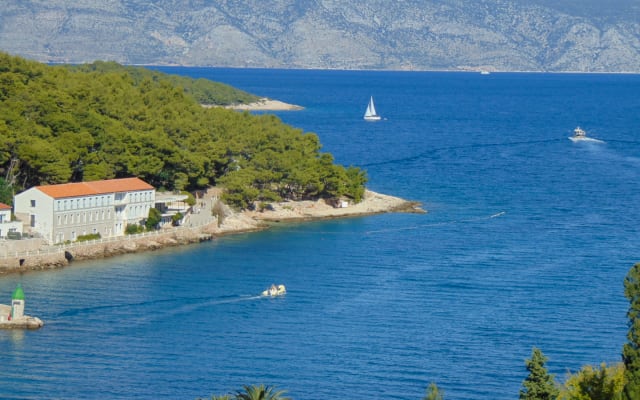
527	242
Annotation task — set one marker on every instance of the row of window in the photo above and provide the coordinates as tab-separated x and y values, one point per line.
85	202
99	201
101	215
137	211
83	218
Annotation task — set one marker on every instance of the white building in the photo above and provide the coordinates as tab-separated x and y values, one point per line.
6	225
64	212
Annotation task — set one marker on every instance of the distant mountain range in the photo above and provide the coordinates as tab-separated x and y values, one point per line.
496	35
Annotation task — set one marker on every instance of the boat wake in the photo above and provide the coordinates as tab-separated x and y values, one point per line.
443	223
585	139
180	305
434	151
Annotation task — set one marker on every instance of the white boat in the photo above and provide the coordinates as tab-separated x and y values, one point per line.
274	291
579	135
370	114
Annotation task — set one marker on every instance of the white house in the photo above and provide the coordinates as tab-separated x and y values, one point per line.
6	225
66	211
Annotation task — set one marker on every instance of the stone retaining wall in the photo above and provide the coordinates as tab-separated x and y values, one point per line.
60	256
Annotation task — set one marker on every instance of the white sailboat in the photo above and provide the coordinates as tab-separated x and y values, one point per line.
370	114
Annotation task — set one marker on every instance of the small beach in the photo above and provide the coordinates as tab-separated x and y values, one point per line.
265	104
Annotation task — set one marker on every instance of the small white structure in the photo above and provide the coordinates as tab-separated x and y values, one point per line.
170	204
64	212
17	303
6	224
13	317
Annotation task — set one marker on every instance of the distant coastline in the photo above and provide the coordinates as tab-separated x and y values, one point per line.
201	226
264	104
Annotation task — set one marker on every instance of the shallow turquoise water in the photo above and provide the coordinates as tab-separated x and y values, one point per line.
526	243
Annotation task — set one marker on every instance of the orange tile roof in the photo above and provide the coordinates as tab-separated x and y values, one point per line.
4	207
94	187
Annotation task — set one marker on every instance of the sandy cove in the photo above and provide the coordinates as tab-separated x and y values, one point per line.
265	104
198	227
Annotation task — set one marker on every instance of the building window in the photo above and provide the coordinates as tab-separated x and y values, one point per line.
33	203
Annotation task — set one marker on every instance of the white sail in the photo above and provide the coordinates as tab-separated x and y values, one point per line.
370	114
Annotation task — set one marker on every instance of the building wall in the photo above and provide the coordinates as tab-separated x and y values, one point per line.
37	208
67	218
132	208
6	225
83	215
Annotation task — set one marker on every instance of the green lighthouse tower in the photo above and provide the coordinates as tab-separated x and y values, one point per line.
17	303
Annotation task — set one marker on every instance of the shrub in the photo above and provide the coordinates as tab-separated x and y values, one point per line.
92	236
133	229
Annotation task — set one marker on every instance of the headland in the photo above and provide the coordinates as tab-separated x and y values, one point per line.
209	219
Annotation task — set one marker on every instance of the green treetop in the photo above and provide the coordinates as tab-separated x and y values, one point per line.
539	385
631	349
63	124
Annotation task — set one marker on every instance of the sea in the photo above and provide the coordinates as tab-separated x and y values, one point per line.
526	243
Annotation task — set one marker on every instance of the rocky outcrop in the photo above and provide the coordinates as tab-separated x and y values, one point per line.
505	35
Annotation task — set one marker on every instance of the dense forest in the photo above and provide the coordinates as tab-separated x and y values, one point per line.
100	121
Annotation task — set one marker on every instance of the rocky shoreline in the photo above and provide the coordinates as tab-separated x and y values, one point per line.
207	228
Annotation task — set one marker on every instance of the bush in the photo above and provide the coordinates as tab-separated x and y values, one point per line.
175	219
153	219
133	229
92	236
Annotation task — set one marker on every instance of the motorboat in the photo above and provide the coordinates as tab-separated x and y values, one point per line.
578	134
274	291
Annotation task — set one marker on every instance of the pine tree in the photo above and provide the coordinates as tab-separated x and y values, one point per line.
434	393
631	350
539	385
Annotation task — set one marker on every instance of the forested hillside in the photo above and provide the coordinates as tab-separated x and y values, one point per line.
62	124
